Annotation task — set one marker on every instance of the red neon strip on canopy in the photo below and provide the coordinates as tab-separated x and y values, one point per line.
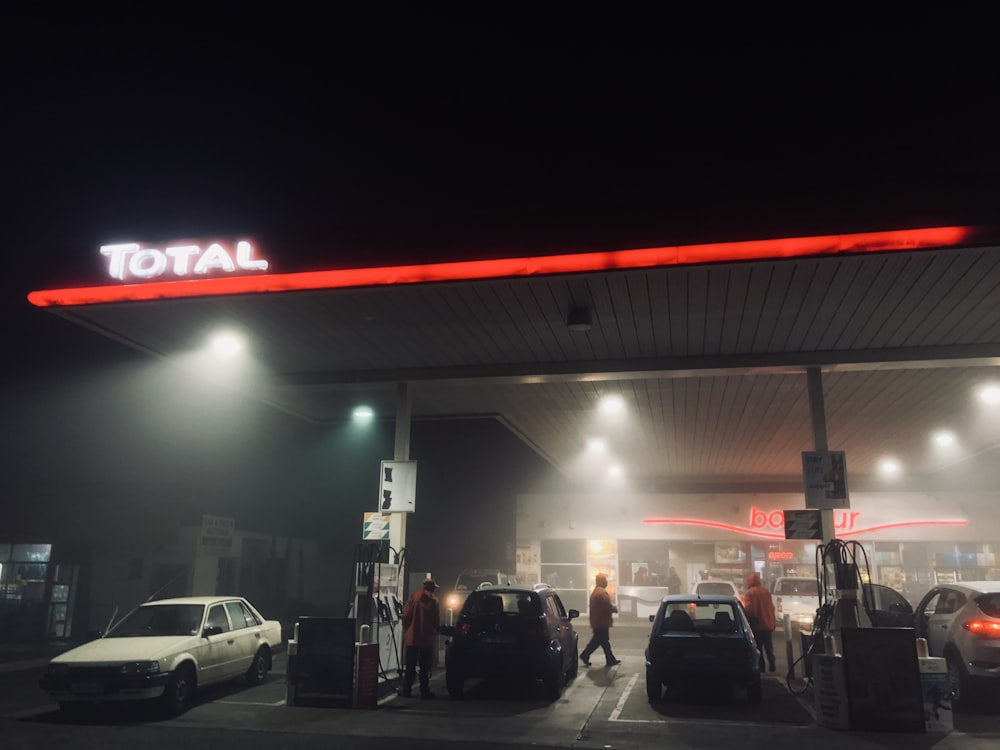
756	532
909	239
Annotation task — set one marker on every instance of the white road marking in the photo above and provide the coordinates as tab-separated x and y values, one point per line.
250	703
621	701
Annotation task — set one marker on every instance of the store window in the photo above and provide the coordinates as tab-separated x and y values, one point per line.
564	567
23	570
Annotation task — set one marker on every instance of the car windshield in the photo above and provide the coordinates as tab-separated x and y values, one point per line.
803	587
699	616
484	603
715	587
160	619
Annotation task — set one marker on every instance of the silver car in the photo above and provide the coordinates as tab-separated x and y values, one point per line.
961	622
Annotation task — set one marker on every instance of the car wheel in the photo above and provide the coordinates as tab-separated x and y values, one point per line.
553	683
180	690
958	681
455	683
654	688
258	670
755	692
574	665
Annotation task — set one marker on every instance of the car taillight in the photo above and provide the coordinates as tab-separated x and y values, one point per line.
463	629
984	628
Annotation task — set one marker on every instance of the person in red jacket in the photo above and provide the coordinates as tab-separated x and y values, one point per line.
421	618
601	611
760	611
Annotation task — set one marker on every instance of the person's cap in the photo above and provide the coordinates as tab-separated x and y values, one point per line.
430	584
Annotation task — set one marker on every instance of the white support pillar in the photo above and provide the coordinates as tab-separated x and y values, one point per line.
401	452
817	413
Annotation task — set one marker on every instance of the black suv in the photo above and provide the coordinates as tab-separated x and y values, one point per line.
513	632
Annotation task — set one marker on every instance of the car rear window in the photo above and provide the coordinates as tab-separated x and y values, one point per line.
989	604
698	616
804	587
491	603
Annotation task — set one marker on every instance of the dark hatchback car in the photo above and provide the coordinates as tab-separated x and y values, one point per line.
512	632
703	641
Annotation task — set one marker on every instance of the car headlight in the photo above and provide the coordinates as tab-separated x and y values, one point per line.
140	667
57	669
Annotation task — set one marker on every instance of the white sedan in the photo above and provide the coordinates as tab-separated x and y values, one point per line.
165	650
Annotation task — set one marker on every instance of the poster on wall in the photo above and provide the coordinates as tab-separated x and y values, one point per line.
729	553
602	557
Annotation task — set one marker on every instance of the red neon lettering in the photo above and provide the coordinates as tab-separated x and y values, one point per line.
776	519
758	519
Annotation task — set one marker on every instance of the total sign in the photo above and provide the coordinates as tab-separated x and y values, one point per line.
130	260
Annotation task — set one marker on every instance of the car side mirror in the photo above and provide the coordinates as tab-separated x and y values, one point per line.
574	613
211	630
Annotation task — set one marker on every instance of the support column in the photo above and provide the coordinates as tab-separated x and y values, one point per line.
817	413
401	452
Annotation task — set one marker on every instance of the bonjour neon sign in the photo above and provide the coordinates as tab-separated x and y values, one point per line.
771	524
130	260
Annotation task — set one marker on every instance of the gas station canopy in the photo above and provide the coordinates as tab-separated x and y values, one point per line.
708	345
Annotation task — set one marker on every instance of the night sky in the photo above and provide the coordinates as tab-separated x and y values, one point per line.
410	133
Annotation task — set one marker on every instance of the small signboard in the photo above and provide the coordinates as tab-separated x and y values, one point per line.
376	527
217	533
825	475
803	524
398	485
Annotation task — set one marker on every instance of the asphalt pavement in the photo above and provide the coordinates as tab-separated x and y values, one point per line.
602	708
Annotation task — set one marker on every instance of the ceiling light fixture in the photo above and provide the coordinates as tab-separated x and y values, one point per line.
889	467
362	414
990	394
578	320
226	344
943	438
612	403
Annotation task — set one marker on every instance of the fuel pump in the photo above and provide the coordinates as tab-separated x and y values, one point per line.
844	603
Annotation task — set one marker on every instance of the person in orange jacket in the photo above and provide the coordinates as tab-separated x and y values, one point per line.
760	611
421	618
601	611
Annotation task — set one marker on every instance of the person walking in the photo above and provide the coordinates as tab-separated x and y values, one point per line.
673	582
421	618
760	611
601	611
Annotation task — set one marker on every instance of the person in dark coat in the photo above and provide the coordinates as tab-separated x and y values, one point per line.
421	618
673	582
601	611
759	605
